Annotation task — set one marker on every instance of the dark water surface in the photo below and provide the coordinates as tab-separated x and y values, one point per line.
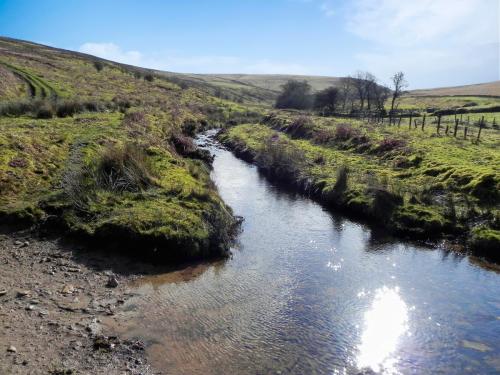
308	292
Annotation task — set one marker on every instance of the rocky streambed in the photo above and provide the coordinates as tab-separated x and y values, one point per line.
53	303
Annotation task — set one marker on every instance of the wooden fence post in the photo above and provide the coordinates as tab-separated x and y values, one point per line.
399	122
423	123
439	124
480	128
415	123
409	123
465	133
456	128
447	129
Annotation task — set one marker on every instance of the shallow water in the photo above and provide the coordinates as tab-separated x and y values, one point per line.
309	292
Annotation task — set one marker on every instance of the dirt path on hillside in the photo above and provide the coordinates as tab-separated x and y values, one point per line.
53	298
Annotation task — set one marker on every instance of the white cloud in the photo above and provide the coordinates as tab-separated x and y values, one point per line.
415	22
111	51
438	42
192	64
428	67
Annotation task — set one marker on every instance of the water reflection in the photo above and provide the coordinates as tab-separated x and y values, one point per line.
385	322
292	295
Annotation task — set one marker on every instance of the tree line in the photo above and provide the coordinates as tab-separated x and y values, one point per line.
359	93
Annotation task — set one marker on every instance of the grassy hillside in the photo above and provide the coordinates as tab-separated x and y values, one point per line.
248	88
103	151
472	99
481	89
413	181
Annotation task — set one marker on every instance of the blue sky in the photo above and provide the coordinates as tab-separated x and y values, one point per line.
435	42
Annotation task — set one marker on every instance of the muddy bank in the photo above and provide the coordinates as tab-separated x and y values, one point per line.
54	298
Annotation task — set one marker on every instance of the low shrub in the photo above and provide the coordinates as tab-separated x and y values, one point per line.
118	169
98	65
344	132
323	136
185	146
300	127
124	168
68	108
20	108
281	159
390	144
341	180
189	127
44	113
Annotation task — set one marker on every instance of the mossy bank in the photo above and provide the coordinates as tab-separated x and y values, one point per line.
104	152
414	182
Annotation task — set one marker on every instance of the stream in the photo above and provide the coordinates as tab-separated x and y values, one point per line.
307	291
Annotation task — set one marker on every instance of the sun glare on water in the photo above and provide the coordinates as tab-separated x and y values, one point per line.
384	323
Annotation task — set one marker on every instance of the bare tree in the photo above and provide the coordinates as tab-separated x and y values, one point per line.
399	82
370	82
326	100
358	82
345	91
380	94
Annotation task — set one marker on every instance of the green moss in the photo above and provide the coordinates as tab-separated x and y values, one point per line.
48	166
419	219
486	242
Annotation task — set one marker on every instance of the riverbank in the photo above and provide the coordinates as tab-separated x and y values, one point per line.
54	298
410	182
104	153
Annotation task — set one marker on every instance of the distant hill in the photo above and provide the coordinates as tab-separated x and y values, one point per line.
271	82
481	89
247	88
250	87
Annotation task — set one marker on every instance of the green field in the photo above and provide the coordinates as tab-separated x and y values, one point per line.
447	102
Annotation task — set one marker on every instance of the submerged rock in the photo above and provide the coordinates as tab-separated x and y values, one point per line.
476	346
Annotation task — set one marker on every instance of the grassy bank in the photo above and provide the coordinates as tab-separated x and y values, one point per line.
413	182
104	152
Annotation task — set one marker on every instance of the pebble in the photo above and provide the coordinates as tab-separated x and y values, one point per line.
23	293
30	307
94	328
3	292
68	289
24	244
12	349
112	282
